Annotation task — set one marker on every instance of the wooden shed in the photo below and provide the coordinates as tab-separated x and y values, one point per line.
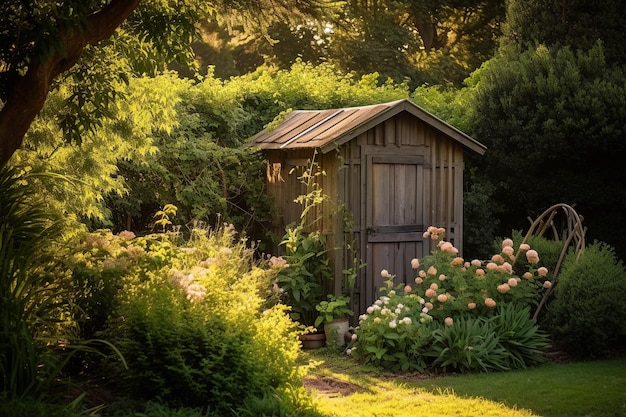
394	168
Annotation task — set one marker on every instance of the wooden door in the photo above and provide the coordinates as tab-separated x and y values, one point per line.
395	214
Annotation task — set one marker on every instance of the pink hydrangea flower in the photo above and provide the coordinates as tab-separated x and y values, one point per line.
507	242
480	272
513	281
542	271
415	263
490	302
524	247
503	288
532	256
547	284
448	247
434	286
476	263
471	306
442	298
408	289
497	259
442	277
505	267
448	321
418	280
508	250
428	306
432	271
457	261
385	274
430	293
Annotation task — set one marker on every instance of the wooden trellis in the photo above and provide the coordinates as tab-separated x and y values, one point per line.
566	225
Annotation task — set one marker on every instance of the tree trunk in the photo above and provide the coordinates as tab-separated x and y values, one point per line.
27	96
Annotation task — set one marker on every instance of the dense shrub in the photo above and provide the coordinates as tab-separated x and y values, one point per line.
193	330
588	313
179	352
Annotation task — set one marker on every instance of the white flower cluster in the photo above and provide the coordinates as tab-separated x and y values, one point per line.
383	310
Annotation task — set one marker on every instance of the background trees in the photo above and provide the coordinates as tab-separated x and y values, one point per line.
550	106
438	42
100	44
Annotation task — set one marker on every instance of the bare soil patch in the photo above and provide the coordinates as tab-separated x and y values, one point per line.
331	386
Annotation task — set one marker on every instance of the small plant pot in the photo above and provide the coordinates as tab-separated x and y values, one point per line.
335	331
313	340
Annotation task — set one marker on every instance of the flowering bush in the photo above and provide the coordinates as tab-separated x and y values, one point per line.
398	329
190	317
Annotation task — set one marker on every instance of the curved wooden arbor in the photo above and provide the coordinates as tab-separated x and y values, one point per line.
565	225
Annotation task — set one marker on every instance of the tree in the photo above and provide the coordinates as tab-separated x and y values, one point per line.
434	42
554	120
575	23
98	43
80	176
31	63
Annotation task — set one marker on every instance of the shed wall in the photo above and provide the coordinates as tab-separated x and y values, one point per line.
434	181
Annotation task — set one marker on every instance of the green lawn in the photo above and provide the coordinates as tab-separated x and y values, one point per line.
580	389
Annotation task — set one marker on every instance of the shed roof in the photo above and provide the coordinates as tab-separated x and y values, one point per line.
329	129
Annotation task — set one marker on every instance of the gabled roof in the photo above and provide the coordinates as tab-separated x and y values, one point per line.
329	129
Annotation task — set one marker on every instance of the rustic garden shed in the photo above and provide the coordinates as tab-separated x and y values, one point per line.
391	170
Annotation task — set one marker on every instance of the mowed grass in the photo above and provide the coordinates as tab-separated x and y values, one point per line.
577	389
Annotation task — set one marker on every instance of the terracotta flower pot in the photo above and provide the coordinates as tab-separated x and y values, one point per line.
313	340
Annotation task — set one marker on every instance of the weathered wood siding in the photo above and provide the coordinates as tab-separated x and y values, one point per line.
396	179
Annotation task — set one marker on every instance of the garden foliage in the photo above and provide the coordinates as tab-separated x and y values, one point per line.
458	315
189	316
588	314
30	300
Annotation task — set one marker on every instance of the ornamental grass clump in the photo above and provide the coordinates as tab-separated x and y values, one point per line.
423	322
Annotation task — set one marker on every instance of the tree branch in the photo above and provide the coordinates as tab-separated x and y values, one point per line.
28	94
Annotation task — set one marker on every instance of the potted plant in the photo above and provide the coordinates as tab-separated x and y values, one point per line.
334	314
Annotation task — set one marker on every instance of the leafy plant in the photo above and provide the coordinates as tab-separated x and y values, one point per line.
31	311
308	268
472	298
588	313
164	217
194	331
308	264
520	336
467	345
336	307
